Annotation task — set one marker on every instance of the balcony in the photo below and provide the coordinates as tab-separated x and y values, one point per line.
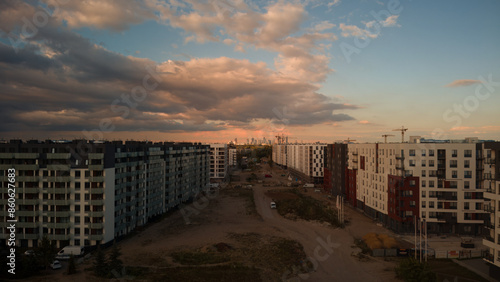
57	190
96	179
489	161
489	176
63	167
29	190
96	237
57	224
96	167
94	156
57	213
27	224
28	202
28	236
27	213
59	179
58	156
58	202
60	236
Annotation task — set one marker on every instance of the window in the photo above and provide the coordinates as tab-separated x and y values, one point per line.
454	153
77	174
423	185
77	219
468	153
431	153
412	203
466	184
77	230
423	152
423	194
423	163
77	185
453	163
468	174
423	204
431	204
77	208
412	183
431	163
77	197
431	183
87	174
423	173
454	174
412	162
412	152
466	205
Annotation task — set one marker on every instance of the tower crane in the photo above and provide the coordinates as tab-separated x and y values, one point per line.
385	137
402	129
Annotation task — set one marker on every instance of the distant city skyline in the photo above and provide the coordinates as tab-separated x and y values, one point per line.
213	71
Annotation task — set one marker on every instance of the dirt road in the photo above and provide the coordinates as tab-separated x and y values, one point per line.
328	249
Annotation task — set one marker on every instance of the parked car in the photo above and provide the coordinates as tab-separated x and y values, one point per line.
55	264
29	253
273	205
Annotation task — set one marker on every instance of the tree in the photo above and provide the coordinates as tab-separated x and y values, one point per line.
100	263
114	262
71	265
46	252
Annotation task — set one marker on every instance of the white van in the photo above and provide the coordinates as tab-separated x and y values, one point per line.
67	251
273	205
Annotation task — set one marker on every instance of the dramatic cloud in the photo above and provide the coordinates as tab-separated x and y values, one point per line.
74	85
463	82
116	15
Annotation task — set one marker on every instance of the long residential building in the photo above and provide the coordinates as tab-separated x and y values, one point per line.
441	182
305	161
86	193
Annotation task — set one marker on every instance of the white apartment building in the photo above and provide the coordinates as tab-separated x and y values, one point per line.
219	156
85	193
233	157
435	181
304	160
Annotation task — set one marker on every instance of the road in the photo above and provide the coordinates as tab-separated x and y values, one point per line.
327	248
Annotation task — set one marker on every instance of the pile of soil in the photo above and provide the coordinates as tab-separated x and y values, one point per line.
379	241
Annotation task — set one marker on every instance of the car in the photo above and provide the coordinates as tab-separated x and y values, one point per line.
273	205
29	253
55	264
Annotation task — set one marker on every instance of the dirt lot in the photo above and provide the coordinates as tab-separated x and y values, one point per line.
259	242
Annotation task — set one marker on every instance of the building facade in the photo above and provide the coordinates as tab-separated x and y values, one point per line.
304	161
440	182
86	193
490	167
219	160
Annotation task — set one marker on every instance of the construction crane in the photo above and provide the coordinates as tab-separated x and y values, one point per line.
348	140
402	129
385	137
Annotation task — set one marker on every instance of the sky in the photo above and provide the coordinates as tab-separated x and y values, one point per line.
212	71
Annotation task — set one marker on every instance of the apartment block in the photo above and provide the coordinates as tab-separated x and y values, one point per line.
233	157
85	193
219	160
439	181
490	167
305	161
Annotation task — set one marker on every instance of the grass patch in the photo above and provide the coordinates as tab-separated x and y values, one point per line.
307	208
447	269
198	258
220	273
